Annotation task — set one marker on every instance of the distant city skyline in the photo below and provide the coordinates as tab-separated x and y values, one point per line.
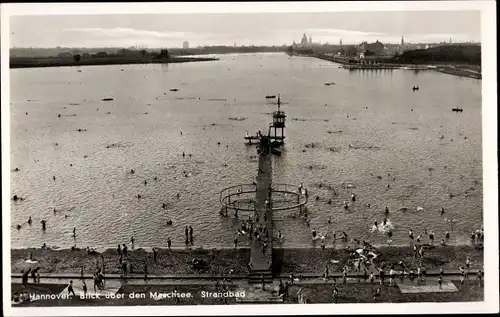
164	30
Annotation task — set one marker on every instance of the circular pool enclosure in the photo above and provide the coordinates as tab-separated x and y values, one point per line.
243	197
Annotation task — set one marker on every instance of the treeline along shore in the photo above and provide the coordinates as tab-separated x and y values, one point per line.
235	261
27	62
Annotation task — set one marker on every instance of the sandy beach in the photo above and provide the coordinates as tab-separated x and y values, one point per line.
222	261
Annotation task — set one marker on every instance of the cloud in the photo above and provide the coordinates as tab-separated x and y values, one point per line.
343	32
130	33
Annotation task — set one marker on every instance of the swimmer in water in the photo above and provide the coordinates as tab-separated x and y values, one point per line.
386	210
353	197
314	233
29	221
74	232
145	182
442	211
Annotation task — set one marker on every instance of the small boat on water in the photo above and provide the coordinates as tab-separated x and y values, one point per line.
107	99
270	96
328	84
174	89
415	88
457	109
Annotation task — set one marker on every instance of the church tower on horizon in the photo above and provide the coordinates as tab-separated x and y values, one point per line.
402	45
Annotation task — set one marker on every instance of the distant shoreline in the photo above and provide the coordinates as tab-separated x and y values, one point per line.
446	68
22	62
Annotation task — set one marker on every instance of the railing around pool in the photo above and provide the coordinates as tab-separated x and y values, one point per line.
229	197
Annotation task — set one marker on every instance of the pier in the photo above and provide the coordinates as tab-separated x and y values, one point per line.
261	206
262	263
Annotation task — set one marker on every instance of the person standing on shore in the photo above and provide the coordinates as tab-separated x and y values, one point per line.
119	250
421	252
382	275
462	274
155	254
344	274
132	242
191	234
479	277
325	275
169	244
235	243
34	274
124	269
440	281
25	277
391	276
467	265
186	232
70	288
84	285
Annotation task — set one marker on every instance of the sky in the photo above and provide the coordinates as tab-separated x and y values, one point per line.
170	30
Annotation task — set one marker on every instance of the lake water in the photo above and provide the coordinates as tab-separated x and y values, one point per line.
141	129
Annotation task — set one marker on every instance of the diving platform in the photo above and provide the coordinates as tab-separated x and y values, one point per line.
276	131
